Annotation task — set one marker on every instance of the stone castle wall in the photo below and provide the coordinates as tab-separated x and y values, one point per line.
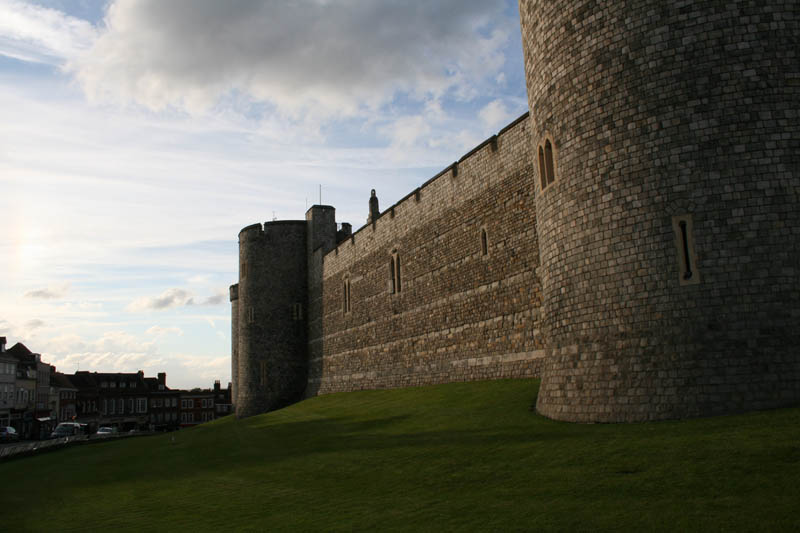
660	113
459	314
654	276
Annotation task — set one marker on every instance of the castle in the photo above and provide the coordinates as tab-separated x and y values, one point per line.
634	240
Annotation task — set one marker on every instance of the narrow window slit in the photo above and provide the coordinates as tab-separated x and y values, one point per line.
688	272
542	173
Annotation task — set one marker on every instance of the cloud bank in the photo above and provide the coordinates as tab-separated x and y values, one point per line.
328	58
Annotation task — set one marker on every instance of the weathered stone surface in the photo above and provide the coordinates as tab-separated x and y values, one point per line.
459	315
660	110
272	337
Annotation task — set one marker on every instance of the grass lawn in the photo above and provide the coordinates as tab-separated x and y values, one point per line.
463	456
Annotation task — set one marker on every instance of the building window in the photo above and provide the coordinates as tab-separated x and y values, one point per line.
141	405
346	294
297	311
484	242
547	164
243	270
262	372
395	283
251	315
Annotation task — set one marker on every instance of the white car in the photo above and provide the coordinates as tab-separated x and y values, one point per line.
8	434
106	430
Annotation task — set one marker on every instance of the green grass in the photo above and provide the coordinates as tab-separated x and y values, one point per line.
452	457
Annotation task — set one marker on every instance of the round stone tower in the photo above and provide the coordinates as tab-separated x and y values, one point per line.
271	306
668	150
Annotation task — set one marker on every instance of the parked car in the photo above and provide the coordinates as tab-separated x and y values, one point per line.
107	430
66	429
8	434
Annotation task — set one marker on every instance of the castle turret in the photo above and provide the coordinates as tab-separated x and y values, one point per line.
321	221
272	301
666	140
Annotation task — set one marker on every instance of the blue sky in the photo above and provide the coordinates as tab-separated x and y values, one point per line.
137	137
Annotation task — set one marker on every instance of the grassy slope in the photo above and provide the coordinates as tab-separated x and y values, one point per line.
458	456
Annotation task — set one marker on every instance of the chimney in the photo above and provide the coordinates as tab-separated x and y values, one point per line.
162	378
216	385
2	344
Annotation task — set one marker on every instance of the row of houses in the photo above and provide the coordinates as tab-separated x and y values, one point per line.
34	397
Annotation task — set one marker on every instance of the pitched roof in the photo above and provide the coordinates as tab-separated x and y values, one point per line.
22	354
19	350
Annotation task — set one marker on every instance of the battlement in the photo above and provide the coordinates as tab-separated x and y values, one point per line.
475	171
258	230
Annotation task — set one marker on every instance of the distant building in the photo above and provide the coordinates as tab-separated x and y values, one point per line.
31	415
164	404
222	400
205	405
113	399
197	406
8	378
63	397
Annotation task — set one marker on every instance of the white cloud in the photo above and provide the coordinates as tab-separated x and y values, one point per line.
114	351
406	132
495	114
34	324
41	35
220	297
49	293
204	368
159	332
171	298
166	300
309	58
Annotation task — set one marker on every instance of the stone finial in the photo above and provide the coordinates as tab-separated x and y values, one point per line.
374	210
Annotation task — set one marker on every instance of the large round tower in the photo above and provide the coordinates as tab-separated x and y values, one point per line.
272	300
668	146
